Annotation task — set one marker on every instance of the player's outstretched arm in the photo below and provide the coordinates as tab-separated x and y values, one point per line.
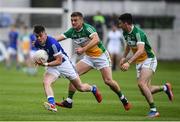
59	37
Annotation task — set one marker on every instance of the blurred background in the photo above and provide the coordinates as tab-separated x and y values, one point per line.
159	18
21	91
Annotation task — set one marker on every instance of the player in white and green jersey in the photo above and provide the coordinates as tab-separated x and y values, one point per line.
95	56
82	38
145	59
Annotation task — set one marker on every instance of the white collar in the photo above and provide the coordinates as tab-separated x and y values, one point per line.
79	29
132	27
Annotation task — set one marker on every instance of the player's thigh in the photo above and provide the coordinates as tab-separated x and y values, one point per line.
82	67
76	82
49	78
146	69
106	73
145	75
102	61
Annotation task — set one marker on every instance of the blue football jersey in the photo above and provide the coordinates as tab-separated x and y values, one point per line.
13	37
53	48
32	39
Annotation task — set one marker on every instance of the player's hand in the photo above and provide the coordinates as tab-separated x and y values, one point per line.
79	50
122	61
125	66
39	62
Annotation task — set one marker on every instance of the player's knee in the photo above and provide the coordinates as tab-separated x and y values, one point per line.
108	81
46	83
141	84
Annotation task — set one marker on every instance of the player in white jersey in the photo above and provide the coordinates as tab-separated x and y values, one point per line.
115	45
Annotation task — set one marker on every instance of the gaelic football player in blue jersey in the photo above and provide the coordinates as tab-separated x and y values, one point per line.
12	47
58	65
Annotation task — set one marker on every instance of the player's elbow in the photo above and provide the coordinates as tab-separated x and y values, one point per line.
140	51
97	40
58	63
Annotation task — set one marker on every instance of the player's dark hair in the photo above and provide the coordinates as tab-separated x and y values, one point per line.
75	14
126	17
38	29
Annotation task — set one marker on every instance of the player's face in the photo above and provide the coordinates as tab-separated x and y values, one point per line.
123	25
41	37
114	28
76	22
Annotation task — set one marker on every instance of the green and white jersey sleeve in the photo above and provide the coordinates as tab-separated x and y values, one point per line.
138	36
83	36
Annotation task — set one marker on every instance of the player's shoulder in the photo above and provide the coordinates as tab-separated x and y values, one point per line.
137	29
86	25
70	30
51	40
89	28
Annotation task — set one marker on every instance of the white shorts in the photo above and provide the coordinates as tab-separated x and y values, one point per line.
66	69
11	51
98	62
150	63
3	52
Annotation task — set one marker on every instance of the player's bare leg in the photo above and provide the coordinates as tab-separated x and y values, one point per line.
107	77
81	68
47	82
82	87
167	88
143	81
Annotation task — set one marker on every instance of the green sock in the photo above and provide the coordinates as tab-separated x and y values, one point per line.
161	88
119	94
152	107
122	97
70	94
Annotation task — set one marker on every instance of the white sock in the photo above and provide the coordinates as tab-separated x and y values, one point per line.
122	97
69	100
49	96
91	88
153	109
165	88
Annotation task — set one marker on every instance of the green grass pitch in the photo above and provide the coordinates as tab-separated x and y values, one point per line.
22	97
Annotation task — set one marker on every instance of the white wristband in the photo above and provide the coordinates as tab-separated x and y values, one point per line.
46	64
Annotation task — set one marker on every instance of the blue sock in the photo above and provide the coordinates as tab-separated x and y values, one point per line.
51	100
93	89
